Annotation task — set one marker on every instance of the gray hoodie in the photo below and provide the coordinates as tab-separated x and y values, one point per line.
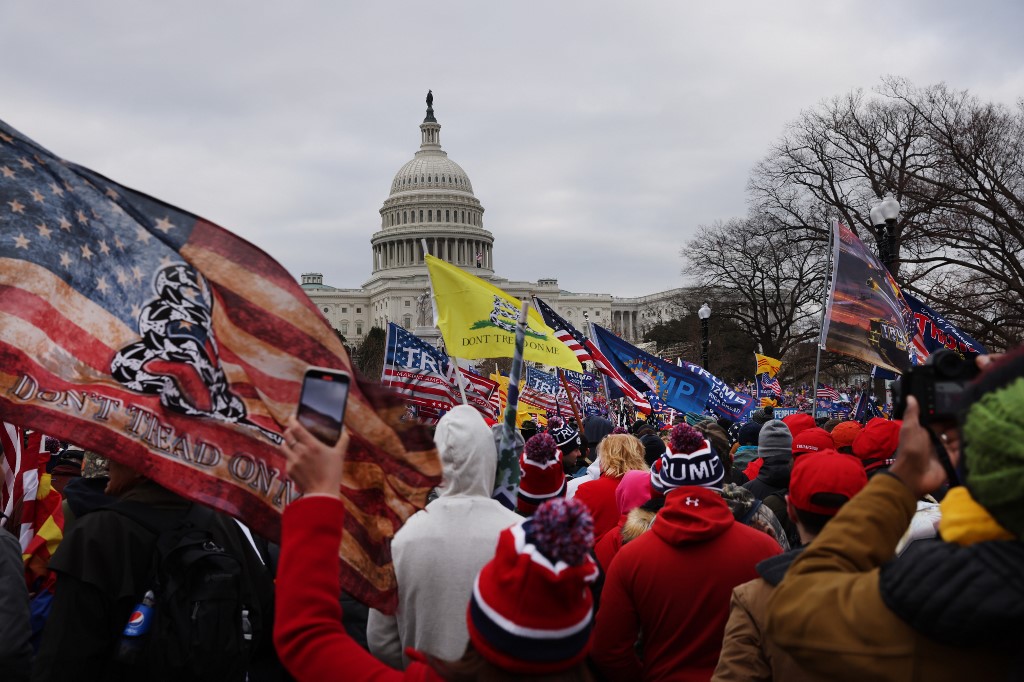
439	550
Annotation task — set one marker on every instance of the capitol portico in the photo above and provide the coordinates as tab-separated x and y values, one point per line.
431	201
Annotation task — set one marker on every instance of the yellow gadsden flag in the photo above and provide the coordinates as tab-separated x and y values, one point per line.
767	365
478	320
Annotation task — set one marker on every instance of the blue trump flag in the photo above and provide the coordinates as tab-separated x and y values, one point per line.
723	400
678	388
933	332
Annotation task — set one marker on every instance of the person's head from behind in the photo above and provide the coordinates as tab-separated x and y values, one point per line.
468	454
992	442
528	429
819	485
531	610
689	460
876	444
567	440
620	453
541	476
654	447
843	435
122	478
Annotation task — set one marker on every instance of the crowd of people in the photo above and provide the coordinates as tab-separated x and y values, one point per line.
792	549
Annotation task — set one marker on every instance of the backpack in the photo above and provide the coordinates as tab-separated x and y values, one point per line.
202	618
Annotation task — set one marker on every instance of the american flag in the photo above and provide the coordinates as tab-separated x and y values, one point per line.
19	476
546	390
479	391
586	351
417	371
29	500
826	392
146	333
500	396
771	385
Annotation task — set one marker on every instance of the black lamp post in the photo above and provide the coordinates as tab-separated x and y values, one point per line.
883	224
704	314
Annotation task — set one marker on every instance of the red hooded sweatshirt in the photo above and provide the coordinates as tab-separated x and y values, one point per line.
673	584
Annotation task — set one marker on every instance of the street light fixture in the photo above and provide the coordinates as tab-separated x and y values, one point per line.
883	222
704	314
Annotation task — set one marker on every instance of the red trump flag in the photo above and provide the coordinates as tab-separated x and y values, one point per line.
146	333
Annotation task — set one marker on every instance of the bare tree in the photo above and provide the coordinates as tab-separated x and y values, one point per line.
957	167
760	277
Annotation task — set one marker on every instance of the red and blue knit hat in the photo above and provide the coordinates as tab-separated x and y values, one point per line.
541	477
532	610
690	460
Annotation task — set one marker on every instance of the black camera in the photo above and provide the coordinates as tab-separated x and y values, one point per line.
938	385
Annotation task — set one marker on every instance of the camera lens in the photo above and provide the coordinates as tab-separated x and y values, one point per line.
947	363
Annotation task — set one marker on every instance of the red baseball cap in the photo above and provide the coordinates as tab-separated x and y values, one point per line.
799	422
876	444
822	482
812	440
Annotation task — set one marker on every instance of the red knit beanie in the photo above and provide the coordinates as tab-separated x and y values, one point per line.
531	611
541	476
876	444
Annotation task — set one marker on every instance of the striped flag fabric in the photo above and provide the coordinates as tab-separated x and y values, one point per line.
772	385
586	351
19	472
500	396
417	371
479	390
151	335
767	365
826	392
42	527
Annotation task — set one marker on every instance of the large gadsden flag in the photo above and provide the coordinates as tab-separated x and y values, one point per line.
478	320
143	332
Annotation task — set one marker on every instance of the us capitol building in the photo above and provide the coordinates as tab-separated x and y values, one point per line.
432	199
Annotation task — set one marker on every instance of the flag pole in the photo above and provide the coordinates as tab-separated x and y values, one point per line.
572	403
507	480
821	334
433	308
459	379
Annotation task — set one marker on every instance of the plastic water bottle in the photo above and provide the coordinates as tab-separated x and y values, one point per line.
136	630
246	626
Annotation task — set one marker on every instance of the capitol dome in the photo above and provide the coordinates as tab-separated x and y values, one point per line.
431	171
431	199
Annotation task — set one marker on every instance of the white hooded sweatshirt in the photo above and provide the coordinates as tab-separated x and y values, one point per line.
439	550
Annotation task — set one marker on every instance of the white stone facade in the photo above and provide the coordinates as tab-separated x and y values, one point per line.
432	199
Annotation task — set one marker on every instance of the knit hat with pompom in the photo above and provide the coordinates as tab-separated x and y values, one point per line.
689	460
540	473
532	610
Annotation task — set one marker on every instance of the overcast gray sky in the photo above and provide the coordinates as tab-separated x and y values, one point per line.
597	135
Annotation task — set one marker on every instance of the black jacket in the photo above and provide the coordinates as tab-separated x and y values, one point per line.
103	567
772	478
963	596
15	649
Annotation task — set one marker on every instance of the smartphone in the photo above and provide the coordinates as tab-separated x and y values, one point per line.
322	402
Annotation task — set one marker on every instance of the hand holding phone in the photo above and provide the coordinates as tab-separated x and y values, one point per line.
322	402
314	467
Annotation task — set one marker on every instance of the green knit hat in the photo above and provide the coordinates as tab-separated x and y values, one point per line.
994	443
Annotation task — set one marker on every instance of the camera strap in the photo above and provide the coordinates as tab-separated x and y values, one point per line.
952	477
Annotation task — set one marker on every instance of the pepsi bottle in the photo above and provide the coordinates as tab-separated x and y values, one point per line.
136	630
